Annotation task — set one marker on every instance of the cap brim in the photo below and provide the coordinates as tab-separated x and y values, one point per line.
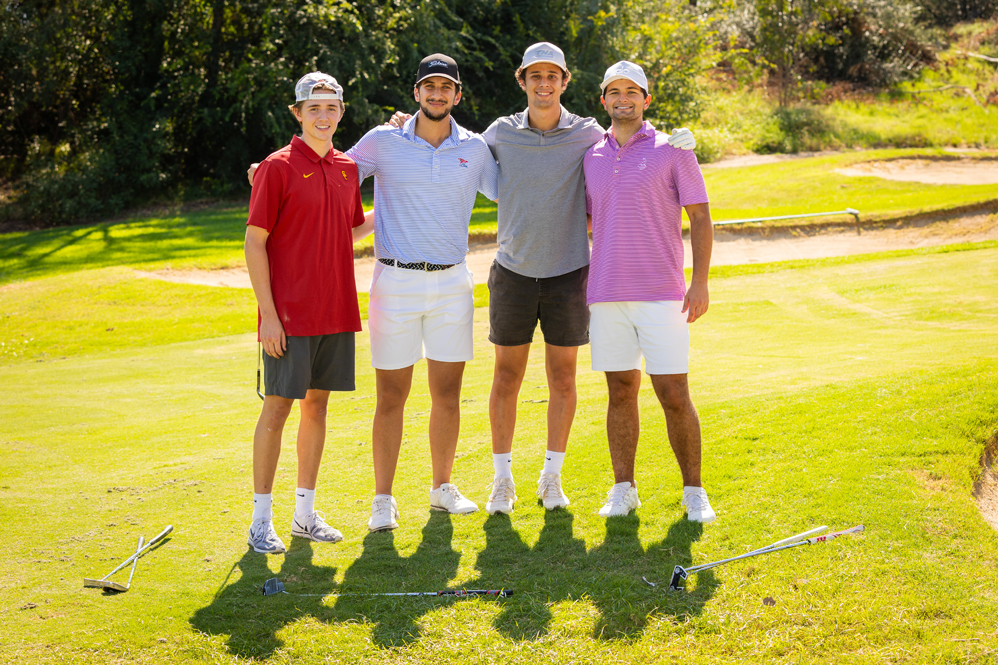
446	76
541	62
602	86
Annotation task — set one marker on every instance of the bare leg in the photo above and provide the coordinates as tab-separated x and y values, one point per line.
623	422
393	391
682	422
311	436
560	363
511	365
445	415
267	441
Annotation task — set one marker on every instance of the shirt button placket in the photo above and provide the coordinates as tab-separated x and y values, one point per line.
435	177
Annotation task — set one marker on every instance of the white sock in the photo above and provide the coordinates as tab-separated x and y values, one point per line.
261	507
503	464
553	462
304	502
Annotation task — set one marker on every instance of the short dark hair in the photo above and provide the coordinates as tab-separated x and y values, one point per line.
521	74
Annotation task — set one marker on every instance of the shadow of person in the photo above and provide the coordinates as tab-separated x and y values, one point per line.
251	621
624	601
380	569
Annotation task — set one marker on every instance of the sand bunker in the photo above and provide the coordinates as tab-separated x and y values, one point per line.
986	487
929	171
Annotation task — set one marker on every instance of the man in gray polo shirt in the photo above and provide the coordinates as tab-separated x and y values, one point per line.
541	269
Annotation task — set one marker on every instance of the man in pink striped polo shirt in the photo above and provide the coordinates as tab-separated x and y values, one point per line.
637	186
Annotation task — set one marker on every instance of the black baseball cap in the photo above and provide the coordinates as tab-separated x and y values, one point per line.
438	64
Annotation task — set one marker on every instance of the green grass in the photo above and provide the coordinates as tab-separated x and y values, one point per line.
214	238
830	392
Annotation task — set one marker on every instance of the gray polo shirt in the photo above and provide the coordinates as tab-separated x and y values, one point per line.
542	193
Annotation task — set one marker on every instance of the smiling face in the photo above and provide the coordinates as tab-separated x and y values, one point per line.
437	95
319	118
625	101
543	83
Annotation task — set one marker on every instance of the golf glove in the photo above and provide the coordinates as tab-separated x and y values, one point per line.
682	138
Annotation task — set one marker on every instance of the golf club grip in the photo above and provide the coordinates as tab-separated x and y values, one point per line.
475	592
830	536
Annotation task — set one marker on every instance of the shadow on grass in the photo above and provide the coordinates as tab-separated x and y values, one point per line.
251	621
559	568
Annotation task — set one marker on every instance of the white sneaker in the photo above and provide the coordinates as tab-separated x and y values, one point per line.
502	498
384	513
549	491
263	538
314	527
620	500
447	497
697	505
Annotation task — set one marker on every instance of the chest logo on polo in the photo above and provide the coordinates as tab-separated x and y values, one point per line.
308	174
464	162
644	164
345	176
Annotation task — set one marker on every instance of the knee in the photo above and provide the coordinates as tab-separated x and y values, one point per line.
562	384
674	398
275	411
314	408
623	388
506	381
392	396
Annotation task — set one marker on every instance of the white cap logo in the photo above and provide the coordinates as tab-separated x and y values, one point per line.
544	52
625	70
437	63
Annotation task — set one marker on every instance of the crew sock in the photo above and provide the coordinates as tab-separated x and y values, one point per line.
553	462
304	502
503	464
261	506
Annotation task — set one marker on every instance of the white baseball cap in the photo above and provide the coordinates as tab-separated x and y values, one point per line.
304	89
625	70
544	52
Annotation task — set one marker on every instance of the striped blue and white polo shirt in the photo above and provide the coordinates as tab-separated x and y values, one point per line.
423	196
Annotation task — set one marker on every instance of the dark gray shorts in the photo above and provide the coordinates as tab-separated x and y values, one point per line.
318	362
517	303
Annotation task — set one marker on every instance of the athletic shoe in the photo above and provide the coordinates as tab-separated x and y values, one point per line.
697	505
384	513
549	491
502	498
314	527
447	497
263	538
620	500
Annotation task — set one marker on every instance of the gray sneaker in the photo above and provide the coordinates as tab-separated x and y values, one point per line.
263	538
550	493
384	513
314	527
449	498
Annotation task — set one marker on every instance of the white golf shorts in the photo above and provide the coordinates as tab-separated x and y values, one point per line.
620	333
415	314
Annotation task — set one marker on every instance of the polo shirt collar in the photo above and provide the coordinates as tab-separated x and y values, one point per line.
647	131
564	120
302	147
409	130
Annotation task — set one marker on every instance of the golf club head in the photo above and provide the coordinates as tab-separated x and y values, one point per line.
679	574
107	585
272	587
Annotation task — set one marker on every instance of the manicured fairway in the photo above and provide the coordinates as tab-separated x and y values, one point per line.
836	392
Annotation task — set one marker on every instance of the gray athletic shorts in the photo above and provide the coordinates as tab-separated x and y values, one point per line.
517	303
318	362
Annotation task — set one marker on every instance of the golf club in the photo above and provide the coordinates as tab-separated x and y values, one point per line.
274	586
259	356
104	583
680	574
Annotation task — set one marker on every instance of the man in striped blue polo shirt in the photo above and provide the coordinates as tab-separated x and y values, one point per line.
426	176
427	173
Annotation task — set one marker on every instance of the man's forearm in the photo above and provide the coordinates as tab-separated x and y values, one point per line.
258	267
702	240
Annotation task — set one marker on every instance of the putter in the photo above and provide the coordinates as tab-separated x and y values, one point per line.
104	583
274	586
679	574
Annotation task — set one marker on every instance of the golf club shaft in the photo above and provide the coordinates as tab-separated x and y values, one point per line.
138	548
162	534
792	539
809	541
504	593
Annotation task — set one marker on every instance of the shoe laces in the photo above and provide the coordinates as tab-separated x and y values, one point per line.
382	506
502	489
453	491
696	500
616	494
263	529
550	484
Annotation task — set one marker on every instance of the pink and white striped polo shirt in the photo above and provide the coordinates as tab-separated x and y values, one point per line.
635	195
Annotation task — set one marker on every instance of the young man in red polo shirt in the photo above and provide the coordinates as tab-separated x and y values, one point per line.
305	214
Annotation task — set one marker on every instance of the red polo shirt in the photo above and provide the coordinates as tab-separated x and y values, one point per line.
310	205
